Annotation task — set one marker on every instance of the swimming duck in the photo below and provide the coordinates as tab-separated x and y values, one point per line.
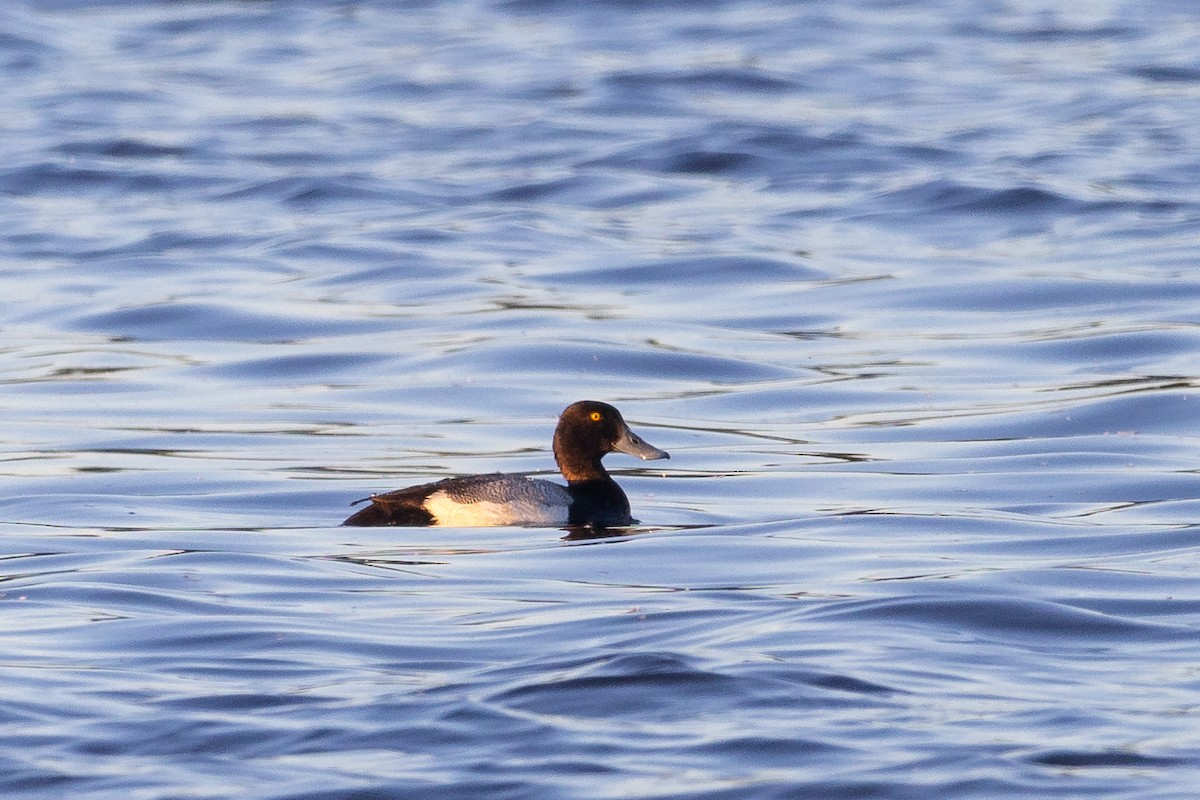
586	432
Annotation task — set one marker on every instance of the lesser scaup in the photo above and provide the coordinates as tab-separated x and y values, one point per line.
586	432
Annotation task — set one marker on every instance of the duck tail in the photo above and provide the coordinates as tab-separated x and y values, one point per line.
373	515
393	508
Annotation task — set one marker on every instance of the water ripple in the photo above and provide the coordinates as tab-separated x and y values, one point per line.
907	293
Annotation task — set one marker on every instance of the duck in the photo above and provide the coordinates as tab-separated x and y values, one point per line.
586	432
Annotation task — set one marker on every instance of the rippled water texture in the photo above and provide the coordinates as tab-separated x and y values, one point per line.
908	290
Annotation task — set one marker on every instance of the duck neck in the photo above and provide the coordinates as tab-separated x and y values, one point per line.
579	469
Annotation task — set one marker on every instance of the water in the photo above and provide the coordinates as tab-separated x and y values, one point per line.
908	290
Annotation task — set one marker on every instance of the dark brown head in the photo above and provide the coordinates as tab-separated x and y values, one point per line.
587	431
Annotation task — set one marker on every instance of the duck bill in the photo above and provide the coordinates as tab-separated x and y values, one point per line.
632	444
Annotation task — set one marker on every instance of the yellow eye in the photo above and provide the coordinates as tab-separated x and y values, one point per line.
595	415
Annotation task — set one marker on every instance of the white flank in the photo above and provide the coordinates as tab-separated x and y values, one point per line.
525	502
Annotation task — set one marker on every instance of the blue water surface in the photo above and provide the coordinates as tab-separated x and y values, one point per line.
909	290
